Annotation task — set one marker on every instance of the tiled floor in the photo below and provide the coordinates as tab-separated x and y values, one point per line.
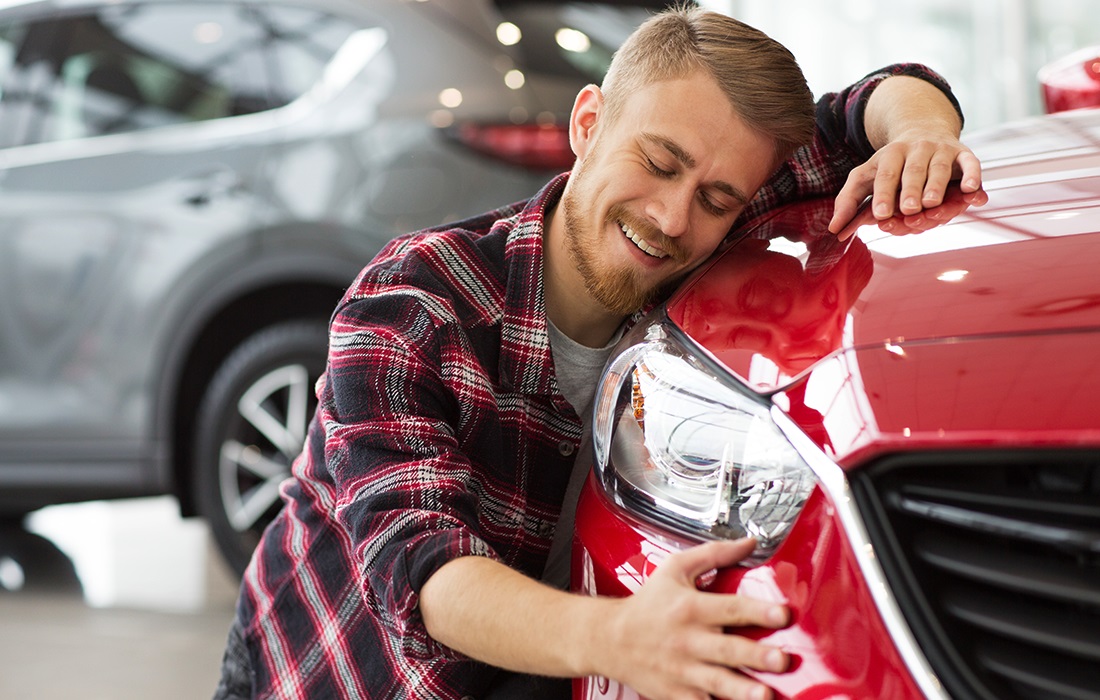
111	602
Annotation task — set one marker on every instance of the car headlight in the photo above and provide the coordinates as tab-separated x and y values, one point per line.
679	444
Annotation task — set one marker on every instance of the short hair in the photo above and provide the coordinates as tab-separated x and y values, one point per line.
759	75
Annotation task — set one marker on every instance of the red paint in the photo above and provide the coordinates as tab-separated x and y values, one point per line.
837	638
982	333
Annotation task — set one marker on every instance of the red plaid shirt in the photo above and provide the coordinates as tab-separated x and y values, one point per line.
441	432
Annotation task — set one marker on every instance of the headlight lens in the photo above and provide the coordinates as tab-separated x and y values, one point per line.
678	444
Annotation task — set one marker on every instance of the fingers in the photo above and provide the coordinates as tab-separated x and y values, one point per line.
912	177
909	182
696	561
971	168
719	682
732	651
850	197
679	641
955	202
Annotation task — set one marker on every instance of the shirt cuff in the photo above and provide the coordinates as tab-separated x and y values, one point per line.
860	93
419	560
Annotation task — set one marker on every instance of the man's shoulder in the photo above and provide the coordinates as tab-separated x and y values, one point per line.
484	231
453	269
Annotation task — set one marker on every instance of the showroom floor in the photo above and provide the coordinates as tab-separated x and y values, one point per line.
111	602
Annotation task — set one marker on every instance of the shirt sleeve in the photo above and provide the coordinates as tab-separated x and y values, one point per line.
840	143
840	115
400	486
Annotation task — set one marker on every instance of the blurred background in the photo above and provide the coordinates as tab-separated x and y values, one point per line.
989	50
185	189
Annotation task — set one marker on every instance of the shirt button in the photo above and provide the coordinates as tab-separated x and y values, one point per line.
566	448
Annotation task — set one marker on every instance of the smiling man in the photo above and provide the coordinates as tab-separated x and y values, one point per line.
424	546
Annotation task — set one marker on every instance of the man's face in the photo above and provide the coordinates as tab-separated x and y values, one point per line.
656	189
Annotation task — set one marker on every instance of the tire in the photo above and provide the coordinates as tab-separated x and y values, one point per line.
251	425
30	563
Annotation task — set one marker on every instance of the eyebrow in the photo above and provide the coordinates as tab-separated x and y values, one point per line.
686	159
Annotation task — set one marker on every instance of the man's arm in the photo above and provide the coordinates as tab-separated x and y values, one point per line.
664	641
914	130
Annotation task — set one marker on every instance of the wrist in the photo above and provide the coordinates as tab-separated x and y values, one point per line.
598	622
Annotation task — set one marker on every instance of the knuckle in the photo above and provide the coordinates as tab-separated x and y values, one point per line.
884	172
739	611
682	608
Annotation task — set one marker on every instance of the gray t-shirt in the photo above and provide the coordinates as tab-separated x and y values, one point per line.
577	368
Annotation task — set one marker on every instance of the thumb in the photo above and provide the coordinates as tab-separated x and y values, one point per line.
693	563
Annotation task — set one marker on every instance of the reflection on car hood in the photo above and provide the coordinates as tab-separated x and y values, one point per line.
1023	265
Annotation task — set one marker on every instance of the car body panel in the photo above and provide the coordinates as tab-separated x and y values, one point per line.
865	403
842	649
954	351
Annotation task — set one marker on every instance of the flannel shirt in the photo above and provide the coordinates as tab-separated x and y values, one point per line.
440	432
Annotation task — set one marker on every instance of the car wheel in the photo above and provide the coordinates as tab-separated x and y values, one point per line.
251	425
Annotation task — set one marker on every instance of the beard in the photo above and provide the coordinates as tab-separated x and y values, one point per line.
620	289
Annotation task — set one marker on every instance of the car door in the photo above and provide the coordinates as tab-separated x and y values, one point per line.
128	143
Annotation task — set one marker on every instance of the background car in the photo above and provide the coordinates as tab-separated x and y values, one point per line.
907	425
187	187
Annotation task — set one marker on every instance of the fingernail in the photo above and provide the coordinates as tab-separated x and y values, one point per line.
931	196
970	184
775	660
758	693
777	615
882	211
912	203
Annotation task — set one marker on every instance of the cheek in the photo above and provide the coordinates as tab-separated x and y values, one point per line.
705	242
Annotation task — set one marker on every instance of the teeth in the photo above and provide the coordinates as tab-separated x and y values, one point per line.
640	242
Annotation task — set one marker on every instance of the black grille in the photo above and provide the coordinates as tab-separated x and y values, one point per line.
995	561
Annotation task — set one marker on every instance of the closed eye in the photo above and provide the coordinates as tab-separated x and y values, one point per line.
658	171
711	207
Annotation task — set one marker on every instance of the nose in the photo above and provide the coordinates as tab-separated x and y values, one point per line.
670	208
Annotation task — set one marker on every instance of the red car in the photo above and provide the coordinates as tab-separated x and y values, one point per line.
909	426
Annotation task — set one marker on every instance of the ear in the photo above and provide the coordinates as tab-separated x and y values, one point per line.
587	110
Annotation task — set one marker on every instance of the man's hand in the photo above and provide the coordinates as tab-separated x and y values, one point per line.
955	202
911	185
669	639
916	133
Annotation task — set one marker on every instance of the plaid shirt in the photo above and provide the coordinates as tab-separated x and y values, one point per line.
440	432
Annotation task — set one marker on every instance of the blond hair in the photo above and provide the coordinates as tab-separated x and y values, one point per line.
759	75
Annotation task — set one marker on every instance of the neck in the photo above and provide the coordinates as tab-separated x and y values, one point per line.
569	305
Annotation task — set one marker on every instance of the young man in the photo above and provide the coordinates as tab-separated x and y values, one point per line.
422	513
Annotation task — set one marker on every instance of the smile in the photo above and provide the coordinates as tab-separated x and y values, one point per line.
640	242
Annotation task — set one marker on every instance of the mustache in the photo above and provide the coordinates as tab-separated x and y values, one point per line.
648	232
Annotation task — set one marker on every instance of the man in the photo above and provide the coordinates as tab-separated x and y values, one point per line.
423	511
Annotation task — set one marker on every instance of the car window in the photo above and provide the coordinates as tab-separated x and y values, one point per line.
25	81
302	42
572	39
127	68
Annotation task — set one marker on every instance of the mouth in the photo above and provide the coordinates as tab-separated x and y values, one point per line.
640	242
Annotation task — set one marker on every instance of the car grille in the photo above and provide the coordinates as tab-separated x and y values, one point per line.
995	561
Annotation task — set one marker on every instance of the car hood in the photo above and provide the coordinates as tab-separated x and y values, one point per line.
998	309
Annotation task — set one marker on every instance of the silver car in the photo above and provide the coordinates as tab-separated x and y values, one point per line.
186	188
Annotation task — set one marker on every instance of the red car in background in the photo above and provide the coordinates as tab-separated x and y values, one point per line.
909	426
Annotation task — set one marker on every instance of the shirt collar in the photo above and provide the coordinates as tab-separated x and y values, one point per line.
526	363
